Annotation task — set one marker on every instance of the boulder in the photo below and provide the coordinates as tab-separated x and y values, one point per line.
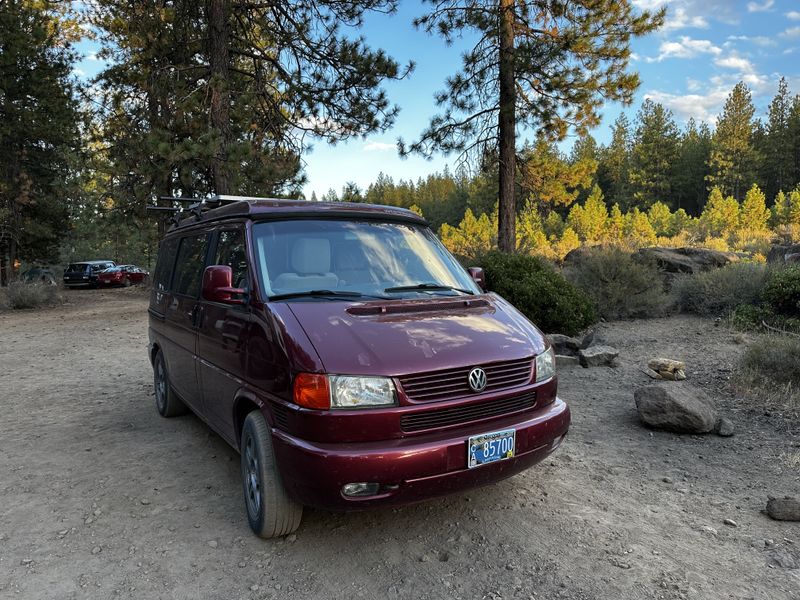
681	408
565	361
564	345
784	509
686	260
781	253
597	356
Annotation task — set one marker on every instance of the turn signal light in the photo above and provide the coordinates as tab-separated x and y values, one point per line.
311	391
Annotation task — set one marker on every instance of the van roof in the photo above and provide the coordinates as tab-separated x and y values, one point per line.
274	208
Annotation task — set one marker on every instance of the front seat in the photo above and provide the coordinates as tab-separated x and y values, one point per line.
311	261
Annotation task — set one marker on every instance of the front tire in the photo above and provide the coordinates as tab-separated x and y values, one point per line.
167	402
270	511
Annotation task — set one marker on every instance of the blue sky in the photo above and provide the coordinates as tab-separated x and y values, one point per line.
690	66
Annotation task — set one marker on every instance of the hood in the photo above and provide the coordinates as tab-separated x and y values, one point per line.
410	336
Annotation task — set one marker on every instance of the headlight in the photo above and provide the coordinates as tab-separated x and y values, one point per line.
545	365
357	392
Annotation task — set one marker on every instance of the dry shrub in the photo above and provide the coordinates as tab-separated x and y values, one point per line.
770	372
720	291
31	295
620	287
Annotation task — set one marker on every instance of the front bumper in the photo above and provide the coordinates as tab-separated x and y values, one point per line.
413	468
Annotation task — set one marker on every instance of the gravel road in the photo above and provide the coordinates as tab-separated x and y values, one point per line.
101	498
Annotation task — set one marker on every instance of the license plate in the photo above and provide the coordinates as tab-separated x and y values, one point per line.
490	447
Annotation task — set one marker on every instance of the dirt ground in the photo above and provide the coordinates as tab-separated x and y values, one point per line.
102	498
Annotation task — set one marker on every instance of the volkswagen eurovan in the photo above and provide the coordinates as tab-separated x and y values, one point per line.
346	355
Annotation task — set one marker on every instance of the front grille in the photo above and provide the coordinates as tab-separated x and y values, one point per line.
444	417
452	383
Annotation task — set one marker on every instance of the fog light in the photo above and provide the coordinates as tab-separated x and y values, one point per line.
360	489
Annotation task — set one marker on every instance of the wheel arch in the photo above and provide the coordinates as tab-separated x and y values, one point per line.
244	403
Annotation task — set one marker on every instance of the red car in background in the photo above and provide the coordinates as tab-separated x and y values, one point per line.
124	275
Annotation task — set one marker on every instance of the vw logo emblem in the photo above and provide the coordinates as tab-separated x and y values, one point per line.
477	379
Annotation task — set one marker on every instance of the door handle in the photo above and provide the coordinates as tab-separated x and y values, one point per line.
197	316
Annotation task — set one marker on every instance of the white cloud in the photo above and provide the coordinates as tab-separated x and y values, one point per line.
686	47
681	19
735	62
378	147
758	40
756	7
792	32
703	107
793	15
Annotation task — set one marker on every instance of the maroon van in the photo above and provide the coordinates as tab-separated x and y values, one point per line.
347	356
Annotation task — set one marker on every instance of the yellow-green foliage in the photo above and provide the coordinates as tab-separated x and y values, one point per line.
723	225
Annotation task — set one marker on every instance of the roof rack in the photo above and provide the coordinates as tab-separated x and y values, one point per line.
197	206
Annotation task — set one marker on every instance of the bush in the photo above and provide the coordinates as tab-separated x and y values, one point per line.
770	368
31	295
720	291
782	291
542	294
621	287
753	317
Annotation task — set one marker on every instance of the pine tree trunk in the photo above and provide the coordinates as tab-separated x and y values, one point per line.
219	59
506	233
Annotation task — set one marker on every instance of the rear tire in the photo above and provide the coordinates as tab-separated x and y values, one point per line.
270	510
167	402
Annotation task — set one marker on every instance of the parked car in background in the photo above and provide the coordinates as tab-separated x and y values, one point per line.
85	274
124	275
39	275
348	357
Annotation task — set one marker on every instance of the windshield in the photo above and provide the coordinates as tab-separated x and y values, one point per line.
77	268
352	258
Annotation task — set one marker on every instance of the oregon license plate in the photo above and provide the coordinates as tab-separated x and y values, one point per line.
490	447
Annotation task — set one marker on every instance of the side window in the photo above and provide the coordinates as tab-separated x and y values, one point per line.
166	259
231	252
189	266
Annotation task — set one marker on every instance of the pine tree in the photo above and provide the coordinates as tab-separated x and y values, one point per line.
688	177
720	216
733	161
638	230
589	220
794	143
39	130
754	214
660	218
654	153
613	172
615	225
777	147
546	64
547	178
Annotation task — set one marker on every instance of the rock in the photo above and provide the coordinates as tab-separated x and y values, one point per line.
213	543
784	509
97	550
563	362
730	523
292	538
254	587
144	501
26	562
724	427
780	557
652	374
597	356
564	345
680	375
588	339
666	364
681	408
707	529
782	253
668	375
686	260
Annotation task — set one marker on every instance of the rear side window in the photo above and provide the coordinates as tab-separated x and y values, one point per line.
166	259
189	266
231	252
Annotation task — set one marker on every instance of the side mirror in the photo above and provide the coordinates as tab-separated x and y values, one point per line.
217	285
478	276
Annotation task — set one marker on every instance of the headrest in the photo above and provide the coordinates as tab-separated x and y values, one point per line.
311	255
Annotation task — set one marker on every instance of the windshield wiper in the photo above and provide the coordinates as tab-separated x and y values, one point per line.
427	286
323	294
